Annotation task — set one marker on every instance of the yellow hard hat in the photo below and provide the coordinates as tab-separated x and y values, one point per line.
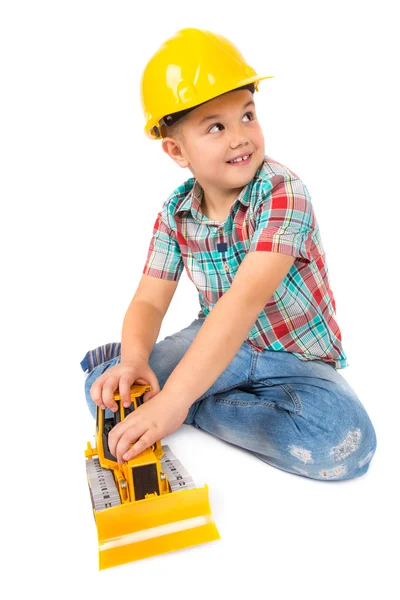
190	68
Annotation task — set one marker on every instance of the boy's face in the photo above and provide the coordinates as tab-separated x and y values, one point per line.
214	134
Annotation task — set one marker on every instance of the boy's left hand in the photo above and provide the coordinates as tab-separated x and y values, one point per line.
146	425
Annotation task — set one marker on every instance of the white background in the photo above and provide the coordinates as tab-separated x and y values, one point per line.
80	189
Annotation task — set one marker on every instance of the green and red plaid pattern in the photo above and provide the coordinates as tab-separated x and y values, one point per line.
272	213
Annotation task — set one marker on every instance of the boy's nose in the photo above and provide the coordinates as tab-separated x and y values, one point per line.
238	138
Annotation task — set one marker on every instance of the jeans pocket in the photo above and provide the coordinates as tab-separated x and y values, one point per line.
282	395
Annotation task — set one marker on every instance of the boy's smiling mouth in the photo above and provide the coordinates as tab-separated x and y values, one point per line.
241	160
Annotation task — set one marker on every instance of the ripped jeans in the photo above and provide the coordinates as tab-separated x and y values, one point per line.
299	416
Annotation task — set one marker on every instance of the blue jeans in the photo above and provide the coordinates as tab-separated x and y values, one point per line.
299	416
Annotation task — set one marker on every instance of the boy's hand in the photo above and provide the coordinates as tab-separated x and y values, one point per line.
148	424
121	377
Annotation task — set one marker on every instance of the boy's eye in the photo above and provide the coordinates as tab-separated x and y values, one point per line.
249	115
215	125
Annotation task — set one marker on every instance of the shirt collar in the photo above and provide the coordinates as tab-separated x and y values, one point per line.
193	199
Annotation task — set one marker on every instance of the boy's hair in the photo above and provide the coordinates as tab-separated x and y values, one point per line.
174	129
170	125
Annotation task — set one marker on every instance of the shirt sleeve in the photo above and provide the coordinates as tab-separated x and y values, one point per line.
164	259
285	220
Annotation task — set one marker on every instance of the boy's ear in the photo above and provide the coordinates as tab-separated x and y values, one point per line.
172	147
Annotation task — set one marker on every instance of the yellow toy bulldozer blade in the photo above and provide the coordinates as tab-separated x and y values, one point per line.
153	526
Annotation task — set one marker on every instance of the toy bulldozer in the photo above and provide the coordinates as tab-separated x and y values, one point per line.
146	506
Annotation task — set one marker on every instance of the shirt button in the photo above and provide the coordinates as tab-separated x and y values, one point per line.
226	267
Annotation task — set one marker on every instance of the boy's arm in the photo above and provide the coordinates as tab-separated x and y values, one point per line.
215	345
153	296
228	325
143	319
140	329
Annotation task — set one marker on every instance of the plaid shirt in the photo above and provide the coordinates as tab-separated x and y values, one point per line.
272	213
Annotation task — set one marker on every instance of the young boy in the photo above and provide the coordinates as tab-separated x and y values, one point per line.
258	367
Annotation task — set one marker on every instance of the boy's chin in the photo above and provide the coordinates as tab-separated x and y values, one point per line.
244	178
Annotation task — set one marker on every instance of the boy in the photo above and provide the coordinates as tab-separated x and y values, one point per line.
258	367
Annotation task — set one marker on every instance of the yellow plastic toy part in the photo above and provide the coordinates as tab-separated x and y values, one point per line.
136	512
154	526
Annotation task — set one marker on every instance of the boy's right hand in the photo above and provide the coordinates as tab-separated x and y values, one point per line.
121	377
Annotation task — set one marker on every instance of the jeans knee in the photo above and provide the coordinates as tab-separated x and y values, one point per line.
348	457
351	455
361	463
357	464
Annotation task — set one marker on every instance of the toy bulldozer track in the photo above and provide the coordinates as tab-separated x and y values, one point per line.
146	506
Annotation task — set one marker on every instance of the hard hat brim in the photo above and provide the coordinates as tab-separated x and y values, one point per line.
152	130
